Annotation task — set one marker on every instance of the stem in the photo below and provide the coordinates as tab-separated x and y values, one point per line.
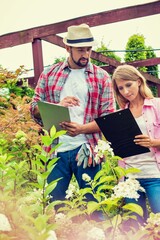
114	229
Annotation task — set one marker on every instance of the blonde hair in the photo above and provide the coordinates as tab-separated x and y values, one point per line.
129	73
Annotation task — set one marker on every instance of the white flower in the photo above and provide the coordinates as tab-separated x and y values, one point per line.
154	219
70	191
127	189
95	234
69	194
86	177
62	219
4	223
52	235
59	216
101	149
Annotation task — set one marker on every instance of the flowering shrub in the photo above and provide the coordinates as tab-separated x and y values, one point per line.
25	209
127	189
25	212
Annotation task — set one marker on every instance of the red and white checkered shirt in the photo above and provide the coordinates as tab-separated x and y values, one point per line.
100	94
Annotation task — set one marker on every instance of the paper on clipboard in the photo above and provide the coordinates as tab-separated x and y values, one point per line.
53	114
120	128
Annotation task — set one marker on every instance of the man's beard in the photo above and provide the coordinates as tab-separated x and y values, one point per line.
78	63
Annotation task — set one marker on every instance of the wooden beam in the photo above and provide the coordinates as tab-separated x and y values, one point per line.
37	59
151	78
147	76
146	62
93	20
110	62
97	56
57	40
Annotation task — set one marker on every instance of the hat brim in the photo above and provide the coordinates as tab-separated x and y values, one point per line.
80	44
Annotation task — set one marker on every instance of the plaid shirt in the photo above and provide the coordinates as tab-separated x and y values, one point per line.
100	95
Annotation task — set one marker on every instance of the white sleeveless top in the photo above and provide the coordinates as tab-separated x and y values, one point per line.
145	162
75	86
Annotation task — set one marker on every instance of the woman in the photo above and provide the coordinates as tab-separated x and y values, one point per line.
131	91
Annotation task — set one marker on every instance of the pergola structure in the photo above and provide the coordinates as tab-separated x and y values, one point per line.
49	33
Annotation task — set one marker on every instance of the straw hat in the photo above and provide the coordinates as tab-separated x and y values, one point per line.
79	36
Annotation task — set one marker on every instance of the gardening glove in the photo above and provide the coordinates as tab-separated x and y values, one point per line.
85	156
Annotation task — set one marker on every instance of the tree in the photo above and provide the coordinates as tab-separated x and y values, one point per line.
153	70
137	50
105	51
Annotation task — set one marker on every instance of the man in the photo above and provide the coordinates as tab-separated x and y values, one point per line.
84	88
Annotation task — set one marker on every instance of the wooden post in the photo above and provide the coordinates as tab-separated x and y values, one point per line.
158	90
37	59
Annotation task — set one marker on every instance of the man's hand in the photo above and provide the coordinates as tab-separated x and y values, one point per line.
69	101
73	129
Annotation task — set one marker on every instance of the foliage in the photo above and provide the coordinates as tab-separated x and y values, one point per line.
14	109
57	60
30	215
135	47
136	51
106	52
15	115
25	208
14	82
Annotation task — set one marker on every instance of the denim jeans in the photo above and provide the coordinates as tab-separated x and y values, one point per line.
67	166
152	192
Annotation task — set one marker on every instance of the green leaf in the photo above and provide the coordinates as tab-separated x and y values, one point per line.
120	172
134	208
40	222
40	180
46	140
45	175
36	185
60	133
49	189
116	220
86	190
38	147
92	206
132	170
105	187
52	131
105	179
55	147
43	158
52	162
51	186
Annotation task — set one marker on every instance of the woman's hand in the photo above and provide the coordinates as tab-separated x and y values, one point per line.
143	140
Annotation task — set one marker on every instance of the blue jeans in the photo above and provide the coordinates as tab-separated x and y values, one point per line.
152	188
67	166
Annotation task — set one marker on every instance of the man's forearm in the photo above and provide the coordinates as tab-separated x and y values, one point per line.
91	127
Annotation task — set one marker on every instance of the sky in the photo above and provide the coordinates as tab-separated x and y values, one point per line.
19	15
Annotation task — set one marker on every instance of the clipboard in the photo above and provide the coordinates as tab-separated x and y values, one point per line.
120	128
53	114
